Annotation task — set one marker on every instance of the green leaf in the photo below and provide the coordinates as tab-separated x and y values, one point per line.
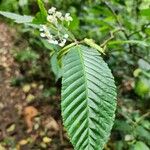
142	134
122	126
145	12
55	66
65	50
41	17
142	87
42	8
142	43
49	46
88	98
144	65
139	145
74	25
64	30
91	43
17	18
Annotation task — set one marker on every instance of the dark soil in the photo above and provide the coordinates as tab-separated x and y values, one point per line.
42	131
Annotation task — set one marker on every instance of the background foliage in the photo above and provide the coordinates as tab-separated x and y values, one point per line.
127	24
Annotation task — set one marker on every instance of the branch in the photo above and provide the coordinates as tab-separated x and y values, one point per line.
142	28
113	12
142	118
118	22
112	35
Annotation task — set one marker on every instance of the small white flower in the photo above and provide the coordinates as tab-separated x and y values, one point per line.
68	18
58	14
48	35
41	29
64	40
52	10
53	42
44	27
62	43
67	14
49	18
62	18
49	40
52	19
66	36
43	35
128	137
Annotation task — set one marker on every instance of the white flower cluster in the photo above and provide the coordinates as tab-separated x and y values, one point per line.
54	16
45	33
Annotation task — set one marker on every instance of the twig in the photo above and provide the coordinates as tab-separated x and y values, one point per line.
124	31
128	118
118	22
142	117
142	28
111	37
113	12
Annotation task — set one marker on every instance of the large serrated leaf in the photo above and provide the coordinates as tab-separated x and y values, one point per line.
88	98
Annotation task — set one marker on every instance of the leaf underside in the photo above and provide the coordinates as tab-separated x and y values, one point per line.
88	98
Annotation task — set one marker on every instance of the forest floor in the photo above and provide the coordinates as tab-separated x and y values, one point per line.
27	122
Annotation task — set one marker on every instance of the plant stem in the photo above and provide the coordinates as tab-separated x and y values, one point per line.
118	22
111	37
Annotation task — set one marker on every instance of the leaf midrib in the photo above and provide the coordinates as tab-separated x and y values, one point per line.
86	87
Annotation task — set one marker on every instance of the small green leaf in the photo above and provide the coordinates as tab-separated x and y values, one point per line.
66	31
17	18
122	126
142	43
49	46
41	17
74	25
42	8
144	65
139	145
142	87
142	133
91	43
137	72
145	12
65	50
55	66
